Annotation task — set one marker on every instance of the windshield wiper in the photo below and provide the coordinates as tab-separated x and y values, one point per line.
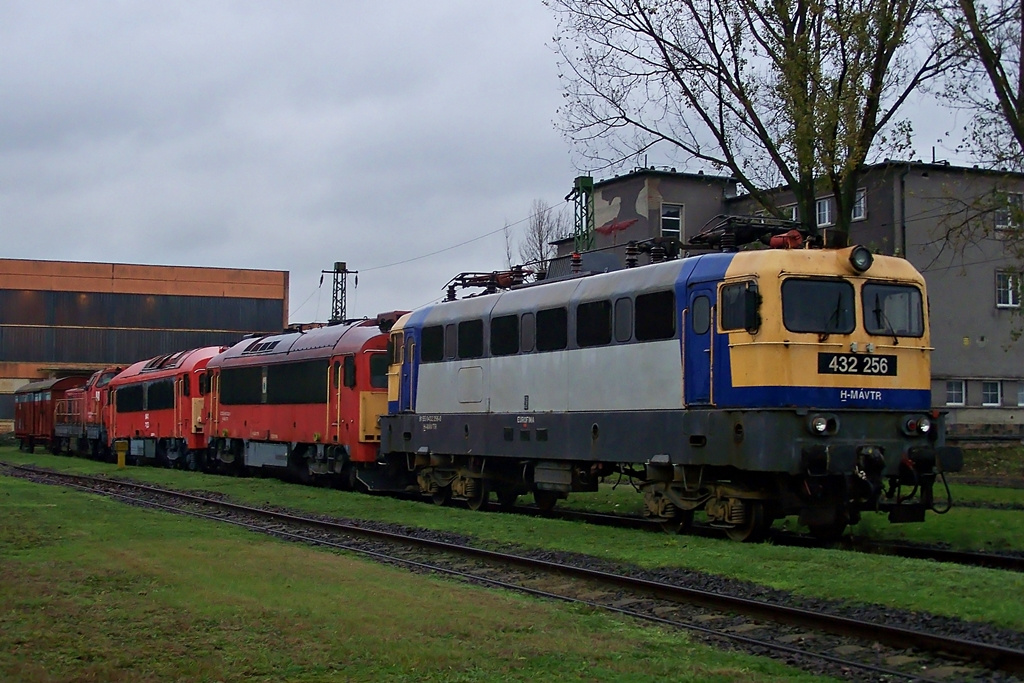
880	318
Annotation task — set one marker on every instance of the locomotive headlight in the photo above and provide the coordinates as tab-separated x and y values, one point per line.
823	424
917	424
819	424
861	259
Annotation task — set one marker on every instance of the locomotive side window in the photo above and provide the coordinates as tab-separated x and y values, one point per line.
241	386
304	383
700	315
552	329
822	306
160	395
378	371
623	319
451	340
336	373
528	330
129	399
505	335
655	316
740	307
594	324
471	339
185	386
204	384
893	310
432	348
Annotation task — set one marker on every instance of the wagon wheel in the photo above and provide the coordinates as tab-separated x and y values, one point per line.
507	498
756	526
545	500
442	496
478	501
678	523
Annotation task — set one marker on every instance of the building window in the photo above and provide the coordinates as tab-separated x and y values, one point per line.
1007	290
1020	393
672	221
1009	214
791	212
955	392
824	207
991	394
860	205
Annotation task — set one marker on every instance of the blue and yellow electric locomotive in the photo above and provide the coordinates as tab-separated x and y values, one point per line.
750	385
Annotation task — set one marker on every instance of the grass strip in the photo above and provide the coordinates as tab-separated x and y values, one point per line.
98	591
965	592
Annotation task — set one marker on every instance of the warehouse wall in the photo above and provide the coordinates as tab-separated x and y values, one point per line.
59	318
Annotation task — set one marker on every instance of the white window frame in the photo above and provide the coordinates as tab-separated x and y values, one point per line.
950	384
678	230
860	205
1020	392
999	394
791	212
823	209
1004	219
1007	289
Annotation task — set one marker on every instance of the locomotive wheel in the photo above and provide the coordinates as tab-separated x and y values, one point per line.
545	500
756	526
442	496
479	501
679	523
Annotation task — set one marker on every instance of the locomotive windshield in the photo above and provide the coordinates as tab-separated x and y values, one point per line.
822	306
893	310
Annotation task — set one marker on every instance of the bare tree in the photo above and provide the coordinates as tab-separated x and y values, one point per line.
793	93
546	224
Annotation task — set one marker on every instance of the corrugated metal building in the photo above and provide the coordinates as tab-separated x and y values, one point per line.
61	317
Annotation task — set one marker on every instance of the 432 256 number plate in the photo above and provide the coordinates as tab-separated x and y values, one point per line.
856	364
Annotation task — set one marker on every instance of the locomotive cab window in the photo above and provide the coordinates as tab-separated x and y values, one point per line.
821	306
505	335
893	310
349	368
396	344
594	324
471	339
655	316
741	307
700	315
552	329
204	384
432	348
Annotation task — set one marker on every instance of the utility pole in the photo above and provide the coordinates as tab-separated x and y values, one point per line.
339	294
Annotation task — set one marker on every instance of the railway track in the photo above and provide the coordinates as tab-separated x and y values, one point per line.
815	639
1007	562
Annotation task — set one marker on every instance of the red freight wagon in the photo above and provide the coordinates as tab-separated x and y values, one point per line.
158	407
306	402
84	413
34	406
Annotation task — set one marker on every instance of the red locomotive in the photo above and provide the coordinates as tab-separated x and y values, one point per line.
34	411
82	415
158	408
304	403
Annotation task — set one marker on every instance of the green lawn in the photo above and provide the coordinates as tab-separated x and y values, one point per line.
967	592
94	590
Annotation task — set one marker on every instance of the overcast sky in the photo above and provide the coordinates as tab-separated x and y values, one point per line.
280	135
